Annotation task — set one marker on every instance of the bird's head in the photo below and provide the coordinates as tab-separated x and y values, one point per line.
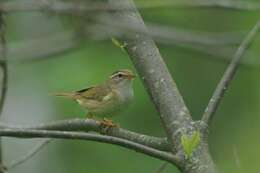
122	77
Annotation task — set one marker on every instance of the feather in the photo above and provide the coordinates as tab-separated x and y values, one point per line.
66	95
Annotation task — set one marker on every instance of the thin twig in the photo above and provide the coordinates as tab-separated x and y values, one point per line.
228	76
31	133
87	125
28	155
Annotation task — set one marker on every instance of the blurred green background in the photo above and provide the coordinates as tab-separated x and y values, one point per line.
234	138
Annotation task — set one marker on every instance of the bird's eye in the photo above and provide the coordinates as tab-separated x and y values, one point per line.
120	75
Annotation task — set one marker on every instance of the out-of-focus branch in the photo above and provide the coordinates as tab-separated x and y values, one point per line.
228	76
43	48
225	4
31	133
3	64
220	45
222	53
60	43
171	33
40	48
107	26
28	155
70	7
87	125
47	47
53	6
3	77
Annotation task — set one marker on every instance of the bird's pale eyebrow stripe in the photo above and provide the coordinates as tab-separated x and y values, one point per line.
117	73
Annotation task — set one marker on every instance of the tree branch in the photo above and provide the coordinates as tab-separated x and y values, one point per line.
31	133
3	64
54	6
28	155
228	76
223	53
70	7
56	44
3	78
153	71
42	48
224	4
87	125
39	48
163	33
156	77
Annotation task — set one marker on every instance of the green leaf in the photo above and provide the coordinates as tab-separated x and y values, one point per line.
185	145
190	143
195	139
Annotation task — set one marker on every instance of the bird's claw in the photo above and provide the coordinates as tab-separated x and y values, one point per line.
107	124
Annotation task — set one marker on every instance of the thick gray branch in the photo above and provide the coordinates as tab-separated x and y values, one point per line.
162	89
228	76
30	133
152	69
87	125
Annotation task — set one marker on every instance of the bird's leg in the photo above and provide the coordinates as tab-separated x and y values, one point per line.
107	123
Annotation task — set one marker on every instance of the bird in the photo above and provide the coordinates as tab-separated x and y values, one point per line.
106	99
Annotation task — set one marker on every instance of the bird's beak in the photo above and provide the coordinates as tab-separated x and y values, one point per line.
130	77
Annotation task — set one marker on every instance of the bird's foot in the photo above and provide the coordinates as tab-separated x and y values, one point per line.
107	124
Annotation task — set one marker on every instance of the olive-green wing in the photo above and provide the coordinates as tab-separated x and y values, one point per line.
97	93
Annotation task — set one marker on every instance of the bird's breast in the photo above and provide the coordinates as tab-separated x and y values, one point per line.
125	96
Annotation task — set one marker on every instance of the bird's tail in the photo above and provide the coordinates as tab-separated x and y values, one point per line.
65	95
